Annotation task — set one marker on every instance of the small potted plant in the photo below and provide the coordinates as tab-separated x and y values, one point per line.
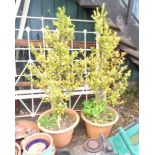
107	77
58	72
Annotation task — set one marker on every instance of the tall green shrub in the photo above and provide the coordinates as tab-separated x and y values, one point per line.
58	72
107	74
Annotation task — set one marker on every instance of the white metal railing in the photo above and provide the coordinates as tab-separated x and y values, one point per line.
52	18
32	93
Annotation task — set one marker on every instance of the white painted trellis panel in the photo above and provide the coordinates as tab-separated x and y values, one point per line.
32	93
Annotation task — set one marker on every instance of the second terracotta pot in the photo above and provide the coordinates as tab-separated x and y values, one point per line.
94	129
63	137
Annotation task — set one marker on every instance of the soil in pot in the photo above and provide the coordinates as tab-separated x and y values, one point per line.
61	136
47	121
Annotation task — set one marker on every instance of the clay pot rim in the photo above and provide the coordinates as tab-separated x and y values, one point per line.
31	123
18	147
25	141
63	130
104	124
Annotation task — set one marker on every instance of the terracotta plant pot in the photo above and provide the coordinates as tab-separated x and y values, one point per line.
62	137
17	149
94	129
38	144
23	126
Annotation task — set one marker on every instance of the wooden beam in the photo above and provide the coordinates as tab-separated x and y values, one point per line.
134	60
130	51
37	43
76	44
127	42
112	25
87	3
23	84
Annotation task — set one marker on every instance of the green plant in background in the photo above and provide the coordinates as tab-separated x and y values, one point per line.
107	74
96	112
57	70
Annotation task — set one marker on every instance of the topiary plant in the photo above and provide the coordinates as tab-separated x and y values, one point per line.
107	74
57	73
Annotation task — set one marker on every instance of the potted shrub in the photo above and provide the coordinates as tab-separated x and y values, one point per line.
107	77
58	72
